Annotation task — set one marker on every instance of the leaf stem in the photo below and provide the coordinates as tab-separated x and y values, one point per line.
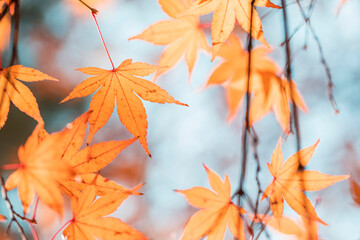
11	166
33	230
102	39
93	10
204	25
61	228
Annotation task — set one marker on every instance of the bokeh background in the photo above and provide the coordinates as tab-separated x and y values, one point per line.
58	37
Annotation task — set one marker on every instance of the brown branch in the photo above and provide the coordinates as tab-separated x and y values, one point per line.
16	22
294	110
263	226
254	144
240	192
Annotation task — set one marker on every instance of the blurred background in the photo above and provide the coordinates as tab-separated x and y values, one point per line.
58	37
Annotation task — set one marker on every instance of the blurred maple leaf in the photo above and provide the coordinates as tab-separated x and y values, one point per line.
341	4
121	83
89	219
289	183
225	13
270	91
89	160
18	93
288	226
41	169
355	191
182	35
217	210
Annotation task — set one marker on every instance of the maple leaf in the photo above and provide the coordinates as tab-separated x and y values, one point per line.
270	91
182	35
217	210
89	219
225	13
355	191
340	6
18	93
40	170
288	226
89	160
73	188
289	183
121	83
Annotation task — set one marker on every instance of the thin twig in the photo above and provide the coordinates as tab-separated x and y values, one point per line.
254	144
263	226
322	57
12	212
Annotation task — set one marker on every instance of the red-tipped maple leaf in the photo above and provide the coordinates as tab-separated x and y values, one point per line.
20	95
121	84
289	183
182	35
217	210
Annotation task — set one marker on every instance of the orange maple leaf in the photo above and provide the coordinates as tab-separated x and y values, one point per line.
89	222
89	160
40	170
288	226
217	210
355	191
270	91
121	83
341	4
182	35
18	93
289	183
225	13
